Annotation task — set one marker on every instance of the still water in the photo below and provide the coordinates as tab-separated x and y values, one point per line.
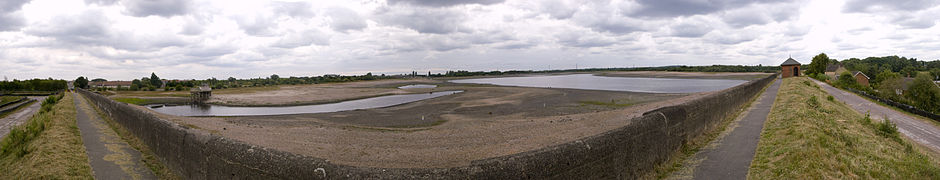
418	86
592	82
375	102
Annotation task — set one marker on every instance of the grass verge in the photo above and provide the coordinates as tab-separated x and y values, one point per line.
147	155
47	146
807	138
4	99
3	115
137	101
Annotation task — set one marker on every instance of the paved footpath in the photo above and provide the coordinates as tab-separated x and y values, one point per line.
110	157
20	116
922	132
729	157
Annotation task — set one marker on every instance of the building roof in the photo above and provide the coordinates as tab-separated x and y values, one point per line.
833	67
859	72
790	61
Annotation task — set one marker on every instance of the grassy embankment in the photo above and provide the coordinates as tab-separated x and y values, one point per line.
147	155
809	135
47	146
5	99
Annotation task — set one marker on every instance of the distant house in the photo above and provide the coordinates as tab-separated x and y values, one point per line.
833	71
109	84
861	78
790	68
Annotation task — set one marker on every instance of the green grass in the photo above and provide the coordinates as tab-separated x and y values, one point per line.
137	101
5	99
803	139
147	155
47	146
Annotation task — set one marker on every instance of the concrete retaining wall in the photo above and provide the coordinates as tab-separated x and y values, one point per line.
625	152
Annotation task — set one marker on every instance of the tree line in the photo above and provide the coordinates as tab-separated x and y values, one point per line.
900	79
33	85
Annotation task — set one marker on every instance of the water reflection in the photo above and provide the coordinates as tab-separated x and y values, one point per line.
375	102
592	82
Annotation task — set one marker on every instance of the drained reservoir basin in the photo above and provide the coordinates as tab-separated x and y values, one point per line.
592	82
375	102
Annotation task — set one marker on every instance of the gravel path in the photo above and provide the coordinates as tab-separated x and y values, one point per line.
18	117
110	157
922	132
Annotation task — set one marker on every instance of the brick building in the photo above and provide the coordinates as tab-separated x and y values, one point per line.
790	68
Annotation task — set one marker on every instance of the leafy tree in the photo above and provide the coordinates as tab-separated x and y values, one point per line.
81	82
154	80
135	87
884	75
924	93
818	65
846	80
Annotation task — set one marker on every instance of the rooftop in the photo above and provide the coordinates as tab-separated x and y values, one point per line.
790	61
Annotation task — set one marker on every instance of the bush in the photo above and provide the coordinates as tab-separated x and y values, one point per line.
830	98
813	102
888	129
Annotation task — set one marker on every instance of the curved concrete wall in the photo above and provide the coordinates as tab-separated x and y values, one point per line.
626	152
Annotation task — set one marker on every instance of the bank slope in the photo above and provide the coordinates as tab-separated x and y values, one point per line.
47	146
811	136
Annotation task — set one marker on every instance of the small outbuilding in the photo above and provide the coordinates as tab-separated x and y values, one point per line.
861	78
790	68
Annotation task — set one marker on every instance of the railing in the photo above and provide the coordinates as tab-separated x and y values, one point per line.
905	107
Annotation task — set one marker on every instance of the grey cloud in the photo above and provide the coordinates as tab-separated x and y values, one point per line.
558	9
256	25
164	8
301	39
293	9
93	28
674	8
8	6
10	18
424	20
209	52
760	14
192	28
581	39
730	38
606	21
915	22
11	22
879	6
343	19
444	3
691	29
516	45
101	2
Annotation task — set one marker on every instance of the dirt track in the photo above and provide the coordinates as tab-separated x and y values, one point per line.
483	122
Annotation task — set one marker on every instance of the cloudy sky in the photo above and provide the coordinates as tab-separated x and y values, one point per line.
186	39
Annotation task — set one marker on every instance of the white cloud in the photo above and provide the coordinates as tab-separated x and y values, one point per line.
65	39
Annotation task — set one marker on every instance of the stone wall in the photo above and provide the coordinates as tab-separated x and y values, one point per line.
624	153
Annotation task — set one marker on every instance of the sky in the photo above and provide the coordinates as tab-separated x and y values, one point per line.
200	39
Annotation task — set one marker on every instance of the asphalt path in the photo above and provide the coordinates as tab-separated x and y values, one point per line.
20	116
921	132
730	156
109	156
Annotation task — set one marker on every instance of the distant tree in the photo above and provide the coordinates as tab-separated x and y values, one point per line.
179	87
232	79
154	80
99	80
818	65
135	87
846	80
81	82
924	93
885	75
275	77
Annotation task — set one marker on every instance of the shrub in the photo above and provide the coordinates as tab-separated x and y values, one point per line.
830	98
813	102
888	129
